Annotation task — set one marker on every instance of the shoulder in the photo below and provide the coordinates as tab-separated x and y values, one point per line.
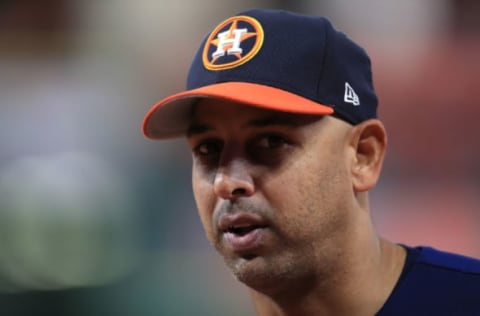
445	262
441	274
438	275
435	282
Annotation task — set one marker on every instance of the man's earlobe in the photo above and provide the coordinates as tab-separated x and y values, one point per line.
369	142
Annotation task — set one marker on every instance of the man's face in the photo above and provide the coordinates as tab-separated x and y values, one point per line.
273	190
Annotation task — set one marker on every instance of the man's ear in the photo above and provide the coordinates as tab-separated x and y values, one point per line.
369	140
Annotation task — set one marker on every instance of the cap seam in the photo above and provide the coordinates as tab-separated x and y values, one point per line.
322	70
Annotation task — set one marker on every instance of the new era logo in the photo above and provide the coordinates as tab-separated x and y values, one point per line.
350	96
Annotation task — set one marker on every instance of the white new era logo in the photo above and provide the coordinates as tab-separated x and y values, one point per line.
350	95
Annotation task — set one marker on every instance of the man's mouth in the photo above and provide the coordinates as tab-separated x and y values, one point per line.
242	232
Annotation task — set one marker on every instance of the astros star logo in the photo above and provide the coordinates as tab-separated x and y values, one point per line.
232	43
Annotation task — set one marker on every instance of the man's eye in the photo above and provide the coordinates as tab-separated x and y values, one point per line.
271	142
207	148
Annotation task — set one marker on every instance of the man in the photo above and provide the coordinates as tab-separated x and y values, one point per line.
280	115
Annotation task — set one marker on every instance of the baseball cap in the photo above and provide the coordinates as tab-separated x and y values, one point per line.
276	60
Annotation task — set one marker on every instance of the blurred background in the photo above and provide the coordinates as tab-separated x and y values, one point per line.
97	220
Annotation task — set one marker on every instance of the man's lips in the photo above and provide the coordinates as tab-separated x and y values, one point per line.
242	232
240	223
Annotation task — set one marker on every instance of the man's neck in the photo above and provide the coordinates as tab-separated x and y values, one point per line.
363	285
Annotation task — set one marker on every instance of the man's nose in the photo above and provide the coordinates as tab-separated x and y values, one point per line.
234	180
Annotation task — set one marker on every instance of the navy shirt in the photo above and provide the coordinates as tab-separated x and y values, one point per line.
435	283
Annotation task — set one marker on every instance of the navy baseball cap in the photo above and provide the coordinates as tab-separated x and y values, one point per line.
275	60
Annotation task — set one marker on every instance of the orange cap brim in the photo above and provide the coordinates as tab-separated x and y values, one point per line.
171	116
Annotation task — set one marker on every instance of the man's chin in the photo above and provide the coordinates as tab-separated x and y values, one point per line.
253	271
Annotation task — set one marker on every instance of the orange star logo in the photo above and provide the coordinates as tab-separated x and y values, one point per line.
228	43
230	38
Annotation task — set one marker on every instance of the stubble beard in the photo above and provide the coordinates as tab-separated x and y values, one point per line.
275	275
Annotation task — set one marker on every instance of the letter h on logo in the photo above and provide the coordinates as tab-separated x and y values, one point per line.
225	39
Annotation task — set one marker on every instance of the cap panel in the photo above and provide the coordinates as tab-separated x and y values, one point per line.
286	60
347	80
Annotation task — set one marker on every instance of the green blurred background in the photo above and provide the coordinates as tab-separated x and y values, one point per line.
97	220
